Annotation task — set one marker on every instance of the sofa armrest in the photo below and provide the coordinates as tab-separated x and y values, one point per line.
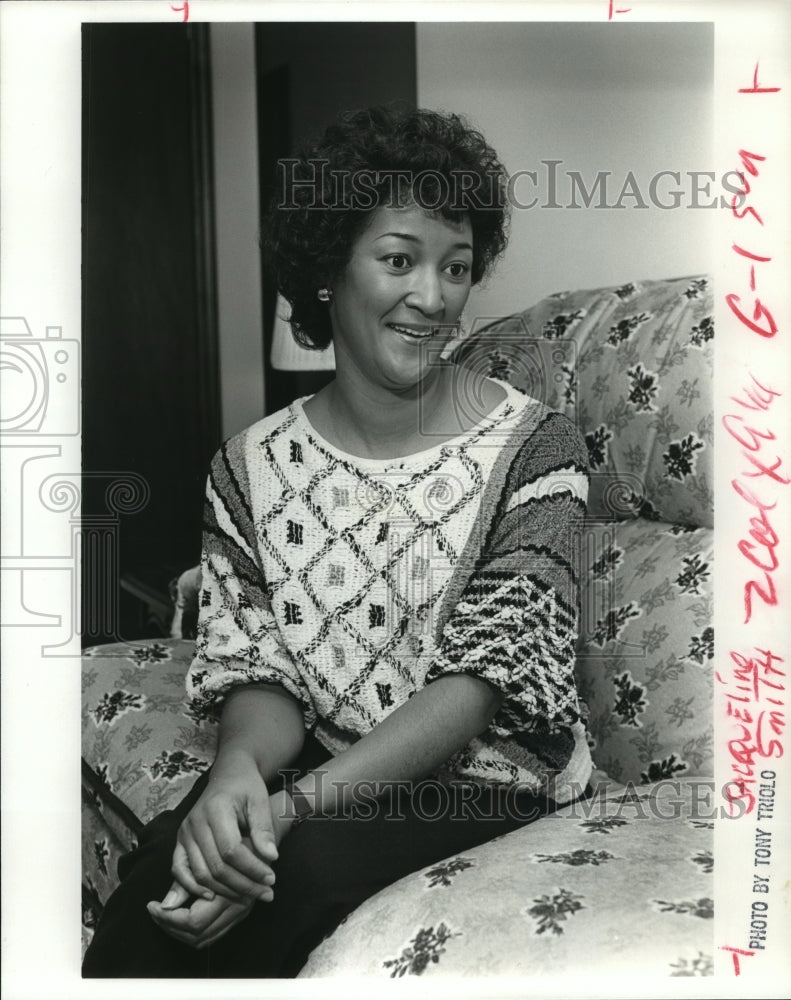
185	590
622	882
142	746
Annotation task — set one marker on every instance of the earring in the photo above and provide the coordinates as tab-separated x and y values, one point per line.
324	295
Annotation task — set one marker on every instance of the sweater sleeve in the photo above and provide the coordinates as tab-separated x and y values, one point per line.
516	622
238	641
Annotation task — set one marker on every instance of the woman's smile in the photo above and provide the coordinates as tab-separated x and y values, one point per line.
413	331
412	334
405	286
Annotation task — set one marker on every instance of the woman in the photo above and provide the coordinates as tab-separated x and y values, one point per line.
388	607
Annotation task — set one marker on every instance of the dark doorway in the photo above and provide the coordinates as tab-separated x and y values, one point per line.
308	72
150	392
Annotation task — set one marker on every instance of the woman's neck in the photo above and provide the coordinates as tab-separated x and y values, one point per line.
371	422
378	423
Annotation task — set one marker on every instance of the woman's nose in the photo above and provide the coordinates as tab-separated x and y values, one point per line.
425	292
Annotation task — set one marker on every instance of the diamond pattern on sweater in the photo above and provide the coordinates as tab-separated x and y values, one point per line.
293	532
385	694
293	614
348	579
376	615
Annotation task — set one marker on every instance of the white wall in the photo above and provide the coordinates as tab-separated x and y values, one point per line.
237	222
615	97
604	96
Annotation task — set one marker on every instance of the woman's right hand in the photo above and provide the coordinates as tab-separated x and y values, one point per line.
226	845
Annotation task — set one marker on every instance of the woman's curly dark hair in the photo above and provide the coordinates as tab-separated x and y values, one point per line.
378	156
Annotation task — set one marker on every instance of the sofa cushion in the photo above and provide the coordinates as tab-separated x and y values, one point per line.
623	883
107	833
141	740
142	750
633	366
646	648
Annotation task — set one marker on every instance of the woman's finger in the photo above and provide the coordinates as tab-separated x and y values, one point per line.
228	919
229	838
176	897
199	867
259	823
200	923
205	862
177	923
192	920
182	873
224	863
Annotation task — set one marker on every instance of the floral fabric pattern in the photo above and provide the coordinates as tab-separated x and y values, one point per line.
138	734
142	750
444	873
425	947
549	912
544	890
646	649
632	365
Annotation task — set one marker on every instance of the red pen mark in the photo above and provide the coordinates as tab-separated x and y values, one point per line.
759	397
747	253
753	691
759	547
762	321
735	952
750	210
752	256
748	161
616	10
185	7
754	688
759	312
755	89
752	683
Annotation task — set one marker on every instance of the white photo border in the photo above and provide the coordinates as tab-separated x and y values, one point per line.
40	71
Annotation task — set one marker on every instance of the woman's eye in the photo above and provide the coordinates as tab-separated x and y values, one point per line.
398	260
457	269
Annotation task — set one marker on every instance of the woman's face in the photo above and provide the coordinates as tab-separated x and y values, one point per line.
398	300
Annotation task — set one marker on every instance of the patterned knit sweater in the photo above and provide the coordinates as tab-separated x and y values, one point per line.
355	582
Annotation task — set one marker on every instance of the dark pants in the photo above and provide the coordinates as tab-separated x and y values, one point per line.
325	869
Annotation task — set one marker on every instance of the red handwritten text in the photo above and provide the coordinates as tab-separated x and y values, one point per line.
735	952
762	321
756	89
759	548
616	10
753	693
753	688
183	9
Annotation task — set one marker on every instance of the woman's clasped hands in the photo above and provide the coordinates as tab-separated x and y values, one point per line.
222	863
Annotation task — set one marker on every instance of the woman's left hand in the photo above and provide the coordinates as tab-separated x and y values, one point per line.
201	922
204	921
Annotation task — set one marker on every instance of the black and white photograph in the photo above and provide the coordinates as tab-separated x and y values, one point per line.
406	546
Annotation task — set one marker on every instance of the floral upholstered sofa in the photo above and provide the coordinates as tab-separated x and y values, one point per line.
621	884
